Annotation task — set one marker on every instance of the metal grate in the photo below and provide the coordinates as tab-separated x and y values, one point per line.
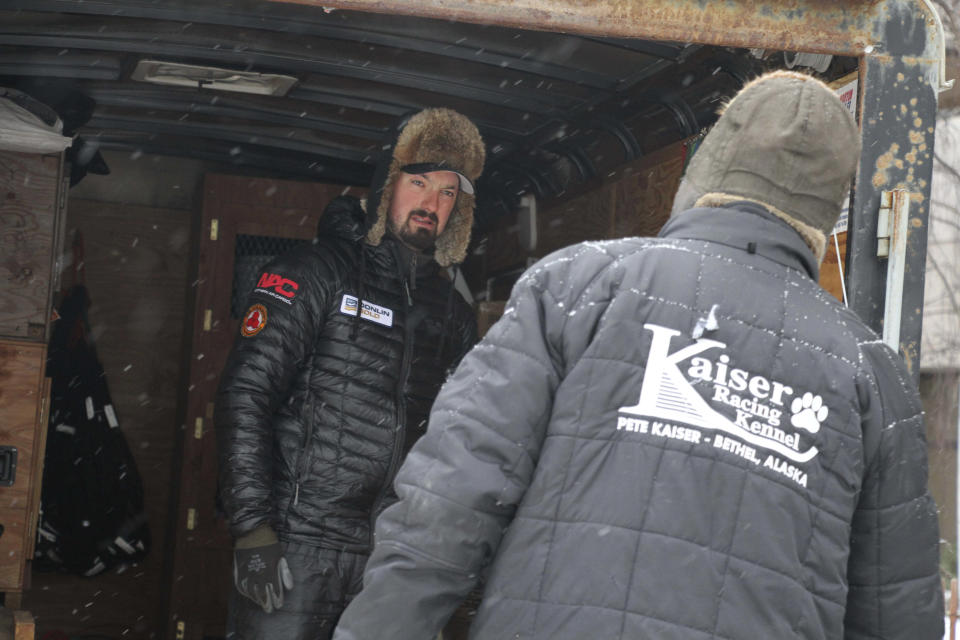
251	253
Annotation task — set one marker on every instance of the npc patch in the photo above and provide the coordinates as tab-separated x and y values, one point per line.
278	287
254	320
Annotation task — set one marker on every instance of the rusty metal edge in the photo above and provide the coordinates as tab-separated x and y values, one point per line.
841	27
898	105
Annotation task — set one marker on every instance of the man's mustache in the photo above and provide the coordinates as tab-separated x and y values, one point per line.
425	214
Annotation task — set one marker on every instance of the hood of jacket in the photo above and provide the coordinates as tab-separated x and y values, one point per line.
343	218
746	225
434	136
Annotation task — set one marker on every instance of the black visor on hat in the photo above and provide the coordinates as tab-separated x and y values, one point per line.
426	167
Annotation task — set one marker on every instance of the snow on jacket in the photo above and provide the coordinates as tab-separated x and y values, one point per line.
677	437
317	406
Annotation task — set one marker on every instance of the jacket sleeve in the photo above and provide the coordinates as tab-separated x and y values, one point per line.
893	569
462	481
257	378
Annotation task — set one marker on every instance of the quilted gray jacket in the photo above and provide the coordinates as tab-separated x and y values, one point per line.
681	437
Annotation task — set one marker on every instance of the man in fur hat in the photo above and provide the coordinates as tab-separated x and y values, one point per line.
341	353
681	436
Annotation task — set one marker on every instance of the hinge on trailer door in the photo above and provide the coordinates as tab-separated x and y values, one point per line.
207	319
214	229
883	224
181	630
892	228
191	519
198	428
891	219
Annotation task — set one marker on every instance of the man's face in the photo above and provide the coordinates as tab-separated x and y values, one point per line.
420	206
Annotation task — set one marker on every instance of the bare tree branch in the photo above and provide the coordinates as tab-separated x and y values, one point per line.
950	9
940	220
947	283
943	164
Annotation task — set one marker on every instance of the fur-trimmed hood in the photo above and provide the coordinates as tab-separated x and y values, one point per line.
438	136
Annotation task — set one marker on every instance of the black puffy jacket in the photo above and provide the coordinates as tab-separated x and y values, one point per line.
317	406
681	437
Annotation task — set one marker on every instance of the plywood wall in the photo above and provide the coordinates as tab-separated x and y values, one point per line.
136	264
831	271
635	200
644	194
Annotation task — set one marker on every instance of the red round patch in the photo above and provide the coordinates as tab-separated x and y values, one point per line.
254	320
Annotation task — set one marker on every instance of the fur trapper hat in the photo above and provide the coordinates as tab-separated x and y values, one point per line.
784	141
449	141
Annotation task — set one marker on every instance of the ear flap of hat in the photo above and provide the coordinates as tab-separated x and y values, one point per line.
452	244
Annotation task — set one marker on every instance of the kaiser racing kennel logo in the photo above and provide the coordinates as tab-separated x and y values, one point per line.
762	431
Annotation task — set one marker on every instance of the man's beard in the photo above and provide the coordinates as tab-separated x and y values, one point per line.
415	236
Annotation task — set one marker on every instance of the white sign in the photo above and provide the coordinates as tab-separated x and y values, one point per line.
848	96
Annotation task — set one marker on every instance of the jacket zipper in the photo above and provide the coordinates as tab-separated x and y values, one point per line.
399	402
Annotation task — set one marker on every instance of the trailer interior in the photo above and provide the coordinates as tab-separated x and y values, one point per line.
207	137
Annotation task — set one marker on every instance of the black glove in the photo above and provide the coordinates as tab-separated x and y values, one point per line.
260	571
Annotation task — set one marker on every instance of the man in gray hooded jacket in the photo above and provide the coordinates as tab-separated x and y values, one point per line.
680	437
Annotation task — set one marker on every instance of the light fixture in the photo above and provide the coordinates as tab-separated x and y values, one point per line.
817	61
189	75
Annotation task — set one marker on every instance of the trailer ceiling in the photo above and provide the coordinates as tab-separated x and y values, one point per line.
554	109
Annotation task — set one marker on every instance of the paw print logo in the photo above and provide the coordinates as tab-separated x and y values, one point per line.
809	412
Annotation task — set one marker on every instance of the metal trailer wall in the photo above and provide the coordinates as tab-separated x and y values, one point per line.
900	46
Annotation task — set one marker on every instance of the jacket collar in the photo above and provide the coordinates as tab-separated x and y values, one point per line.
409	263
740	225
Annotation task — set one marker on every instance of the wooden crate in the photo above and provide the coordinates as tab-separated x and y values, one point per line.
24	402
16	625
28	236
